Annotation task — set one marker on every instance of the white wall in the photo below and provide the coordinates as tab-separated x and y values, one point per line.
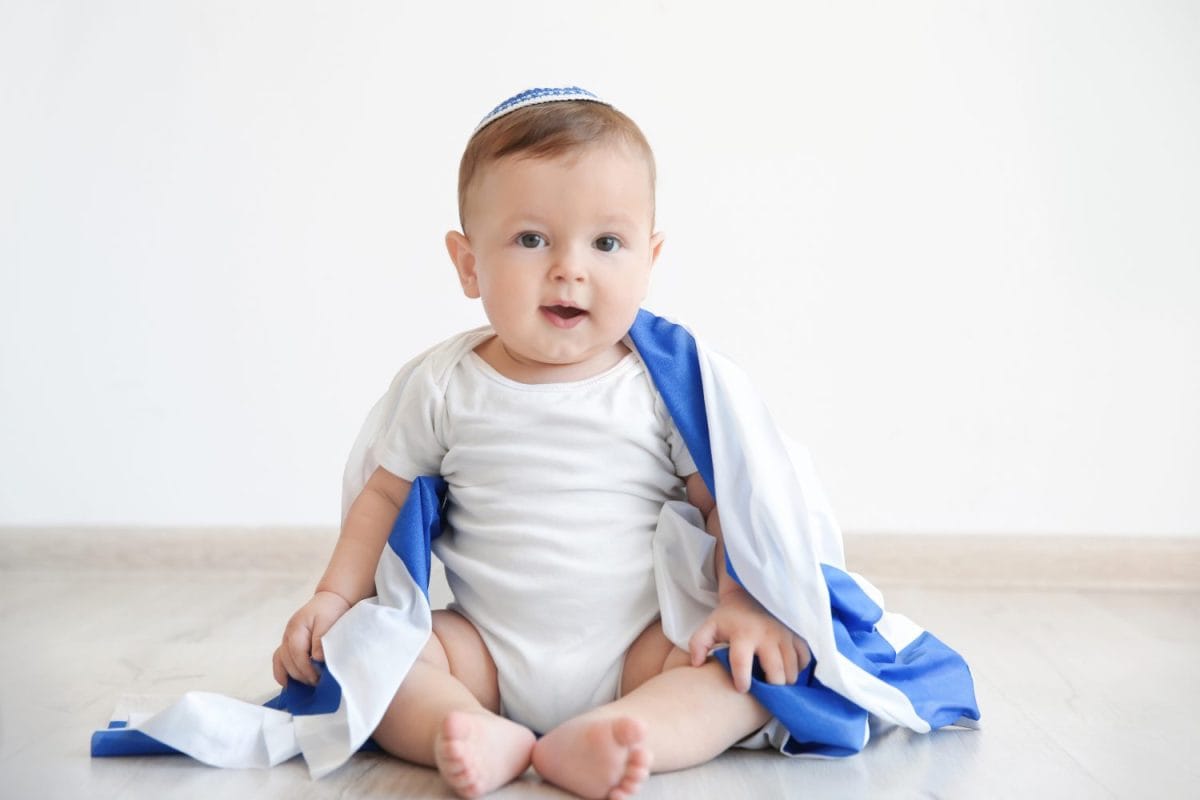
957	244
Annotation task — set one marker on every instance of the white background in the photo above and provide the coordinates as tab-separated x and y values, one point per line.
956	244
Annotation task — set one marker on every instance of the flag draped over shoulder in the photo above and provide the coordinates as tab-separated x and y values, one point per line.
782	545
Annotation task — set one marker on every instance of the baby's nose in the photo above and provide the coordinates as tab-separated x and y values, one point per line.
569	266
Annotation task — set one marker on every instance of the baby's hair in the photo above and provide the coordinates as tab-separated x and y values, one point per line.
546	131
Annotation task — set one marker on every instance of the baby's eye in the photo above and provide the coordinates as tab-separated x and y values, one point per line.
531	240
608	244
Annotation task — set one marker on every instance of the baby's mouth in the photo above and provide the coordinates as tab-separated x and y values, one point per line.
564	312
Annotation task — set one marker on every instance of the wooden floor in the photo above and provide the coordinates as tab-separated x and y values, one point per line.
1085	654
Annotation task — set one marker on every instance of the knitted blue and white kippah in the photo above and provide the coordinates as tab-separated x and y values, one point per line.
531	97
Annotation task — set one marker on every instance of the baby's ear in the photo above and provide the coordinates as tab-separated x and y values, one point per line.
459	248
656	243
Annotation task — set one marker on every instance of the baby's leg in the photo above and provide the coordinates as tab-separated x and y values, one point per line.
445	713
672	714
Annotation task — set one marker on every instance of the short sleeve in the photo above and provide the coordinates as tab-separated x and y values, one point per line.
680	456
412	444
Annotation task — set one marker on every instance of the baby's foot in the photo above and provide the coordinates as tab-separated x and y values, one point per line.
478	752
595	758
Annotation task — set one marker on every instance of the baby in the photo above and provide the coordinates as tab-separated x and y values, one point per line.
558	455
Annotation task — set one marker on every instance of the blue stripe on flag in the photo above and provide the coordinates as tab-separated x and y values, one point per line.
304	700
934	678
670	355
119	741
417	525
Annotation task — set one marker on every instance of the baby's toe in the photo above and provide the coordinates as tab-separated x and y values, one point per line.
628	732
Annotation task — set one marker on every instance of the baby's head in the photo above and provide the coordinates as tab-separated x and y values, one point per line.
528	125
556	201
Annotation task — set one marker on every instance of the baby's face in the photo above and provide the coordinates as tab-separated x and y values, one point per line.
560	252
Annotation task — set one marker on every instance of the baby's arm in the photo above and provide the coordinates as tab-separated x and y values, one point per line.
350	576
739	620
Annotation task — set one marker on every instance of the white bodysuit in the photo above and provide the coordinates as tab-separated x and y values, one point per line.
554	492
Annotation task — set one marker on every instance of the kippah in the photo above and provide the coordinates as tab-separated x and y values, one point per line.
531	97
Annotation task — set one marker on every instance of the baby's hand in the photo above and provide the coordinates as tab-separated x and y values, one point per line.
750	631
302	638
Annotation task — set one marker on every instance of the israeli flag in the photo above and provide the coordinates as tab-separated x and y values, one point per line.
782	545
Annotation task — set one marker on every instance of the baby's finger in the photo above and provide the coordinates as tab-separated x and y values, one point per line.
771	661
296	657
741	662
277	667
803	653
295	665
318	652
791	662
701	642
289	664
